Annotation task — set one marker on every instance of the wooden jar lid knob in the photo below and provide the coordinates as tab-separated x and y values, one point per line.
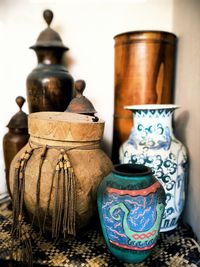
80	87
20	101
48	16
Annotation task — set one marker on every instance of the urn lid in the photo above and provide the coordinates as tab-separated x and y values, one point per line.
48	37
81	104
19	120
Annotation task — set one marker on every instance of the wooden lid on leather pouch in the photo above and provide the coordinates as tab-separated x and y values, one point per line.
65	126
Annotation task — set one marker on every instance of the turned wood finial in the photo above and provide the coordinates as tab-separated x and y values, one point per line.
80	87
20	101
81	104
48	16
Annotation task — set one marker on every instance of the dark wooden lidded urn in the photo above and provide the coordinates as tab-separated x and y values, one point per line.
16	138
144	74
49	85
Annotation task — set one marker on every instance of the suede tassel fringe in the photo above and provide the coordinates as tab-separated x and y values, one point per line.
64	203
19	233
65	198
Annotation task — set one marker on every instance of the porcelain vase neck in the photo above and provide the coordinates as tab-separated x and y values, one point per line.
153	126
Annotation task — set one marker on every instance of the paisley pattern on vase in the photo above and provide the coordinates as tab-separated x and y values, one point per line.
152	143
132	218
147	137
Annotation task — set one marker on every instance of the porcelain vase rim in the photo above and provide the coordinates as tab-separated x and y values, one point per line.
151	106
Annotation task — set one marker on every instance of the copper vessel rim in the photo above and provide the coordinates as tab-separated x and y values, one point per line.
145	36
146	32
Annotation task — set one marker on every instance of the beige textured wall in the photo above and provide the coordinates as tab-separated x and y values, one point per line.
186	24
87	27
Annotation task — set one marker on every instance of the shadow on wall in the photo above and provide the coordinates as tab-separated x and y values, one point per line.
68	61
180	132
105	144
181	123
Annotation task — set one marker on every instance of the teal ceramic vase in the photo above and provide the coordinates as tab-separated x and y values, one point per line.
131	203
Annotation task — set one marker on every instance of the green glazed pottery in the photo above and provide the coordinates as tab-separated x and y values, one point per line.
131	203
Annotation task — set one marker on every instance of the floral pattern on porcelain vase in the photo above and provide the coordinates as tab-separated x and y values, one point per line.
153	144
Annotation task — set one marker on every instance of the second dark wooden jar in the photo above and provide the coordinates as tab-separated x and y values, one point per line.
144	74
16	137
49	85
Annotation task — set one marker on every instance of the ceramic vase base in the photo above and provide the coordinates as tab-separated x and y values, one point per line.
168	225
129	256
162	230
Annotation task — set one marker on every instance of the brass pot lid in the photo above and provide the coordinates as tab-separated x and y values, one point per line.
80	104
19	120
48	37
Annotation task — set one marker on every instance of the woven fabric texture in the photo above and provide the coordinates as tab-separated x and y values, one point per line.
175	248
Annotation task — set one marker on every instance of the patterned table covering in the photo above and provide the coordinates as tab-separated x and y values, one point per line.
175	249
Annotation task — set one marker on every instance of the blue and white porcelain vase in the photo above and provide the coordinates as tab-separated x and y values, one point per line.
152	143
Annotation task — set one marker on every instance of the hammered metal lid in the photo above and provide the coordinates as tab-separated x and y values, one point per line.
49	37
19	120
80	104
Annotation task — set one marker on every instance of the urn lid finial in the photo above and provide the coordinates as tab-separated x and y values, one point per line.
19	120
48	16
80	104
48	37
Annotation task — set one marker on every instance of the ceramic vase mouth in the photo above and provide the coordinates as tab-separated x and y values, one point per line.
131	170
152	107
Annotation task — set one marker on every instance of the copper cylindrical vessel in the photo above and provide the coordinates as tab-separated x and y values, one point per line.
144	74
